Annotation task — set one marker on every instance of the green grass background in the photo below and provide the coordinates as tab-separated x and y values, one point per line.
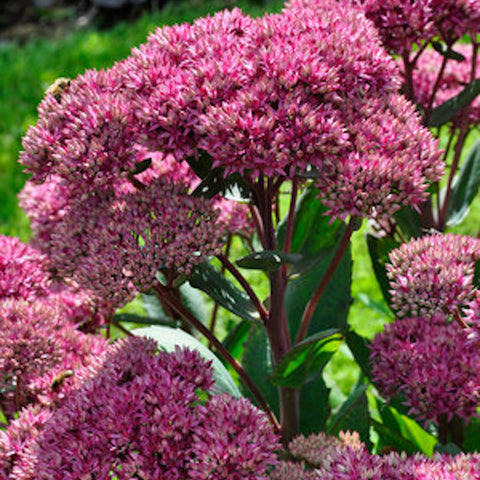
26	72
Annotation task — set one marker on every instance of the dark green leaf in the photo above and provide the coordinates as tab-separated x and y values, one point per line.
360	351
379	248
141	166
353	415
268	260
257	363
391	439
449	448
143	320
314	407
447	52
447	110
465	187
202	165
169	338
236	338
206	278
316	238
409	221
233	186
305	362
472	436
407	430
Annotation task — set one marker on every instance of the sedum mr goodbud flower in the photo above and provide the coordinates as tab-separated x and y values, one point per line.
143	413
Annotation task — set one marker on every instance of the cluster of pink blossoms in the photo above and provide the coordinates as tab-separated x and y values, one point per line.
433	273
431	364
456	75
25	274
403	24
138	414
319	457
40	352
277	96
425	358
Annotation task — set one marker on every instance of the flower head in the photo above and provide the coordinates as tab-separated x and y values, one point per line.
138	413
39	353
404	24
430	364
433	273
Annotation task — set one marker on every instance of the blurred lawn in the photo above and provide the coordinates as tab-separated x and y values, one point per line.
26	73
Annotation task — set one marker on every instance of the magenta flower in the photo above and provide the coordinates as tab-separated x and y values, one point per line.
327	458
431	365
138	413
39	353
23	270
433	273
404	24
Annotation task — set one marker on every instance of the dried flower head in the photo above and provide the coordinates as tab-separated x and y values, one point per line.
431	365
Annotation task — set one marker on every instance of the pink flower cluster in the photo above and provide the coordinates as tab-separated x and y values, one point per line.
40	351
429	363
319	457
433	273
404	24
278	96
25	274
457	74
143	414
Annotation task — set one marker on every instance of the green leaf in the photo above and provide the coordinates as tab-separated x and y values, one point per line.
472	436
267	260
360	351
353	415
142	319
233	186
236	338
407	432
409	221
305	362
141	166
257	362
448	52
208	279
450	448
447	110
379	248
378	307
202	165
316	238
169	338
314	407
465	187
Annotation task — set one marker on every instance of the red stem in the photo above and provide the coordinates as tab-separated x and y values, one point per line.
313	302
246	286
165	293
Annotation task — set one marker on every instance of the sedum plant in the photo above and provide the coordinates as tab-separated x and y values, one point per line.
284	132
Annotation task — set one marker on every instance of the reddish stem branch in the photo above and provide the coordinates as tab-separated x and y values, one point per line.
428	110
313	302
462	135
163	292
246	286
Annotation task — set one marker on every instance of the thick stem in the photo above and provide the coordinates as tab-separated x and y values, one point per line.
337	257
163	292
276	324
456	430
443	429
246	286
